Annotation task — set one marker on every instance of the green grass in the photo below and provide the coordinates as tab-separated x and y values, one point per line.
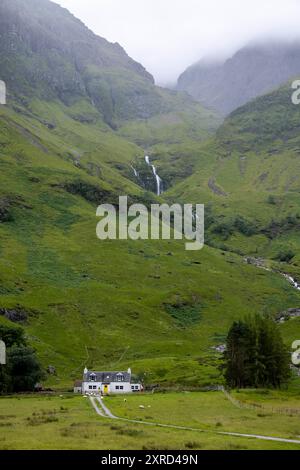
249	169
149	305
70	422
105	304
210	411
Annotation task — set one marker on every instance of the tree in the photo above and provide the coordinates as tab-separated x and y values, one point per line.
25	370
22	370
12	336
255	355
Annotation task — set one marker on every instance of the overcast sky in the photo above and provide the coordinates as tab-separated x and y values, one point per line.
166	36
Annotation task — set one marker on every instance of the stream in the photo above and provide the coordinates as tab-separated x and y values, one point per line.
260	263
156	176
158	180
291	280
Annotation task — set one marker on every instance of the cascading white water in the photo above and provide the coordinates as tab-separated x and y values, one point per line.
292	281
259	263
134	171
156	176
158	181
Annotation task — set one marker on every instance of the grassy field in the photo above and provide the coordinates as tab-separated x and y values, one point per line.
70	422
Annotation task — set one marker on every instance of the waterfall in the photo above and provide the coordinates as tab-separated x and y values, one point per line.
156	176
134	171
292	281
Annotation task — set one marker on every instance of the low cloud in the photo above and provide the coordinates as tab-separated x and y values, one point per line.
167	36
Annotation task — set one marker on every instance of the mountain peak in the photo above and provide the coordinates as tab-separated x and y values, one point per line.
254	70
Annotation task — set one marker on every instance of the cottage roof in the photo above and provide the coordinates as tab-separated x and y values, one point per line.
106	377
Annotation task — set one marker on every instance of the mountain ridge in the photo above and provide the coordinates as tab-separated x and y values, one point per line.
254	70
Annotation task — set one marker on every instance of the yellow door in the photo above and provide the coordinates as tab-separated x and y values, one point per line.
105	390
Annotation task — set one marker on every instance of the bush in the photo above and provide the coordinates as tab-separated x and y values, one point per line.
88	191
278	227
272	200
5	211
224	229
285	256
244	226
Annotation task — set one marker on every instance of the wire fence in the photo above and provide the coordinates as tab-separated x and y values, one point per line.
257	406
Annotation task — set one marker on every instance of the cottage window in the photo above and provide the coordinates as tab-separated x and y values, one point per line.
121	387
132	387
120	378
90	387
92	377
117	387
94	387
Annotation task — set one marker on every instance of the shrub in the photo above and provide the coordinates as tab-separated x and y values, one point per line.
285	256
244	226
88	191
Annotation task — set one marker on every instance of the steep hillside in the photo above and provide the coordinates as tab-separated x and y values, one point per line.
150	305
46	53
80	113
251	72
75	83
248	176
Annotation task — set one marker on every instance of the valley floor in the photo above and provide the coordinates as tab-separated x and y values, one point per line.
70	422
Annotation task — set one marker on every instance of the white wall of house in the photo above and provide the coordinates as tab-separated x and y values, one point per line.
91	387
113	387
136	387
120	387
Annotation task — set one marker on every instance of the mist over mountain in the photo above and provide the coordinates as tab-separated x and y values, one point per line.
47	53
252	71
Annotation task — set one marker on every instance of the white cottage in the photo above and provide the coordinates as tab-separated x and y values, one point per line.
105	383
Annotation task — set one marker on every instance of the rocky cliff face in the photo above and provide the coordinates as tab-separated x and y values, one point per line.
46	52
251	72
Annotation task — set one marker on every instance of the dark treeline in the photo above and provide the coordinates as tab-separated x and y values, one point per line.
256	355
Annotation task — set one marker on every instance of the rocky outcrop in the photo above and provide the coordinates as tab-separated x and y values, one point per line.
287	314
18	314
46	52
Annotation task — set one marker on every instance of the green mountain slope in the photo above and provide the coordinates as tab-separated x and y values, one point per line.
82	87
64	149
151	305
250	171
